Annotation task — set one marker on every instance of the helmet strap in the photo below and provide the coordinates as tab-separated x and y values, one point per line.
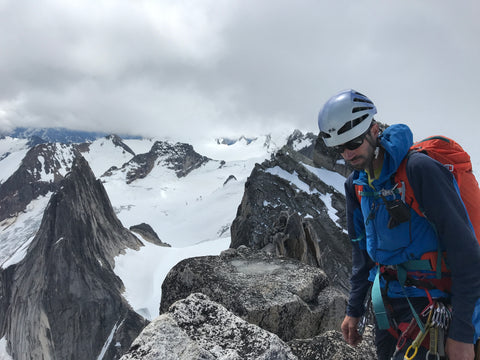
375	144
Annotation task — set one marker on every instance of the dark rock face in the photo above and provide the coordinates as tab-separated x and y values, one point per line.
278	216
117	141
198	328
148	234
63	300
230	178
327	158
180	158
302	143
42	169
296	239
280	295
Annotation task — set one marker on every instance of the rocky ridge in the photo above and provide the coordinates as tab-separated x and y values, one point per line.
293	217
40	172
179	157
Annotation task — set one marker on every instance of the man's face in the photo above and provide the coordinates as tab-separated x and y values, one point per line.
360	157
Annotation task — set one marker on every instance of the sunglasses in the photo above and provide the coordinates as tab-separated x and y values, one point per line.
352	144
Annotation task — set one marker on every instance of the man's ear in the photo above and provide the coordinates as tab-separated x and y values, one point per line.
375	130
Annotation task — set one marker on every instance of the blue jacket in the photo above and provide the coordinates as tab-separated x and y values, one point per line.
448	226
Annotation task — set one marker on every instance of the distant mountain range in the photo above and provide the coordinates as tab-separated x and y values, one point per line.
60	135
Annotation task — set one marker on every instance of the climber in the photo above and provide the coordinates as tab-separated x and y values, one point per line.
388	236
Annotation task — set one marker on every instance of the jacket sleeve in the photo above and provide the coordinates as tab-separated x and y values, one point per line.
438	195
361	262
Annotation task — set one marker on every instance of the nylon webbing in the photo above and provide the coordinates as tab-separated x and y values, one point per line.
377	302
377	299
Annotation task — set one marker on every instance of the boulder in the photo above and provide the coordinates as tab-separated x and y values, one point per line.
331	346
281	295
199	328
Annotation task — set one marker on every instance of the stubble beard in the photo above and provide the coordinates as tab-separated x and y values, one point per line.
362	162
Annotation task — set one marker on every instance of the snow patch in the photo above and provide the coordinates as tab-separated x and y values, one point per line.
144	271
17	233
109	341
292	178
3	350
328	177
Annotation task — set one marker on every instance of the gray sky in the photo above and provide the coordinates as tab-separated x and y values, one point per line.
195	68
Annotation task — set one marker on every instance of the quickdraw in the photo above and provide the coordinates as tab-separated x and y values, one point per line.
438	319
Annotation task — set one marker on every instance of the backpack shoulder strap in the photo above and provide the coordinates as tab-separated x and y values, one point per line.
401	178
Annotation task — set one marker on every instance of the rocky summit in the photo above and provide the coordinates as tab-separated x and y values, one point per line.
198	328
281	295
247	304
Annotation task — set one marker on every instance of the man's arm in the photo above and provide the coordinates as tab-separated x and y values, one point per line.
361	262
437	193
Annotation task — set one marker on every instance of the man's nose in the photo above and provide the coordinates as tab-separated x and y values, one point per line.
348	154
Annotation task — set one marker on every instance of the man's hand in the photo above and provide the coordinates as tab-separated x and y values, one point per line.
457	350
350	332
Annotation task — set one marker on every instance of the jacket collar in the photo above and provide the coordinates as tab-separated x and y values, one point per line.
396	140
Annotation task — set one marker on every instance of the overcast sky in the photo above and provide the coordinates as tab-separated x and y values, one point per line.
195	68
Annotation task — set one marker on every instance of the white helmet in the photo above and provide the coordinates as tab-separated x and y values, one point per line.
344	117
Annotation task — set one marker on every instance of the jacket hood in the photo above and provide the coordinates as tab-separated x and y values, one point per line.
396	140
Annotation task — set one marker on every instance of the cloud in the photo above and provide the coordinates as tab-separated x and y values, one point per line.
213	67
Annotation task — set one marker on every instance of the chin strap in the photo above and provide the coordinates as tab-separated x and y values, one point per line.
376	150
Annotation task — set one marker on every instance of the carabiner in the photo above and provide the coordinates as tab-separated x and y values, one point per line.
435	356
415	350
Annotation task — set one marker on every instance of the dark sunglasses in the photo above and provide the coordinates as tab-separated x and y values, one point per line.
352	144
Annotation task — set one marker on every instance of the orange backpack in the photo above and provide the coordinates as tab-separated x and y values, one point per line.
455	159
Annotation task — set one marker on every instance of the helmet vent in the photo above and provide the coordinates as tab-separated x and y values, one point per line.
357	109
365	100
351	124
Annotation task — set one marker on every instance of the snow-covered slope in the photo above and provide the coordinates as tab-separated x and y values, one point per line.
12	151
192	213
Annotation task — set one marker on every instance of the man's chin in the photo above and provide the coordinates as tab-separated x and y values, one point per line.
357	164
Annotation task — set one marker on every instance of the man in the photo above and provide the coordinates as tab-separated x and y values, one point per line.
385	235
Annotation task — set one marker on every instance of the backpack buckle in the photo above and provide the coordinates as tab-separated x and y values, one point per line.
449	167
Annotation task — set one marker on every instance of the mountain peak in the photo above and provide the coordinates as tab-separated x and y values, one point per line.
68	274
231	141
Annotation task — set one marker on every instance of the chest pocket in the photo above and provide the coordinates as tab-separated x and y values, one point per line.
387	222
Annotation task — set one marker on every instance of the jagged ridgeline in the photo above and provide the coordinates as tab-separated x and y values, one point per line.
289	210
279	292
